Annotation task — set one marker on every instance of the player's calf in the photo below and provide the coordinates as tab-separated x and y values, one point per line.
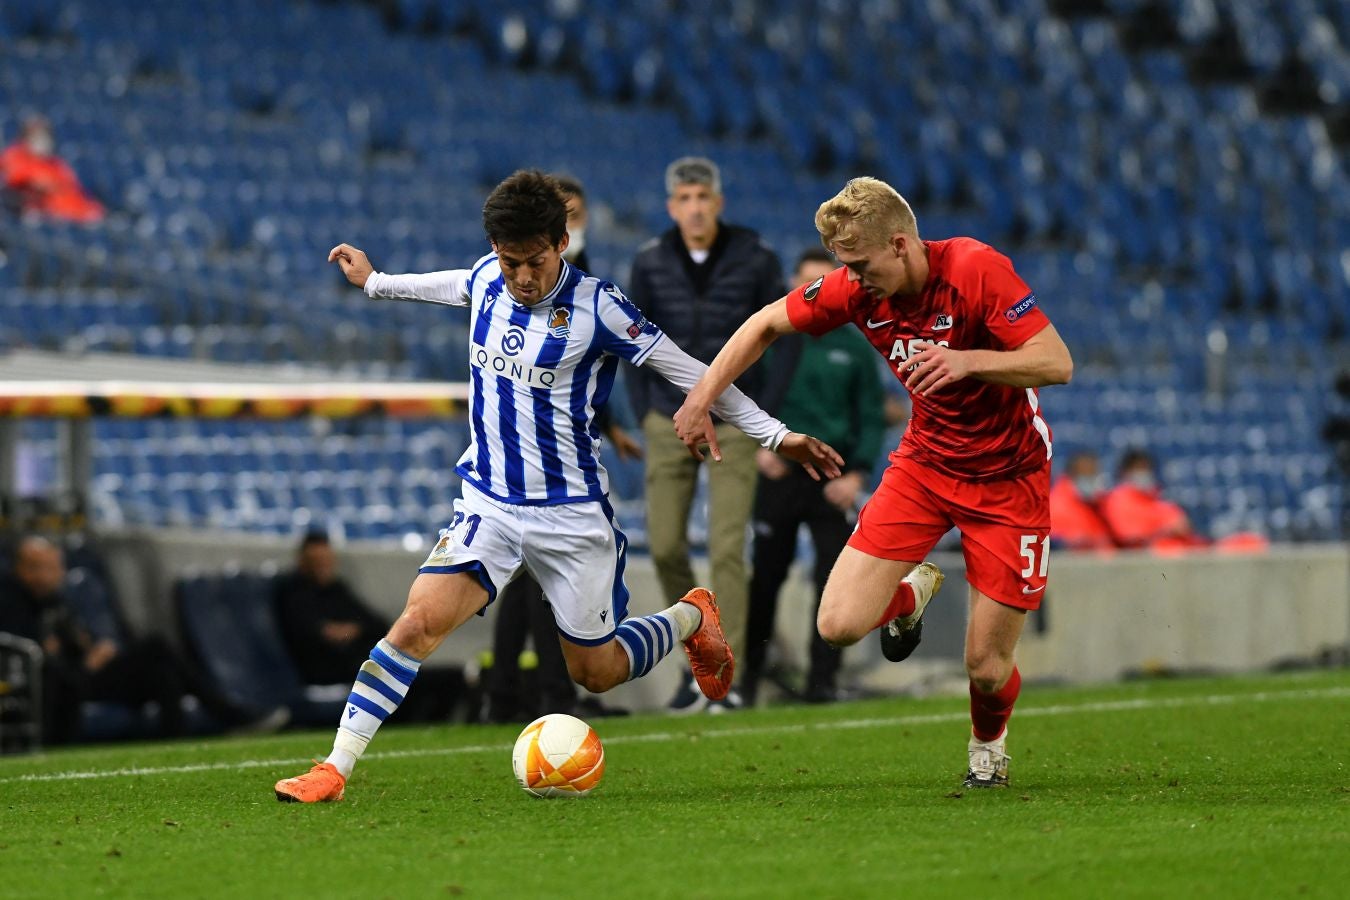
597	669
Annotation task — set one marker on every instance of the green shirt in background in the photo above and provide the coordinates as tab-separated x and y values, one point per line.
836	395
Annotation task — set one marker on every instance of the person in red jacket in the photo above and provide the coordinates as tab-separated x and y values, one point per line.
44	183
1076	521
1136	512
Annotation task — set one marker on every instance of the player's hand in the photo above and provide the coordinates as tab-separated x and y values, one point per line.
353	263
694	426
624	444
817	457
771	465
842	493
934	367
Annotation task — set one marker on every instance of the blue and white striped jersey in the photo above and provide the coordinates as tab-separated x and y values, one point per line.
538	374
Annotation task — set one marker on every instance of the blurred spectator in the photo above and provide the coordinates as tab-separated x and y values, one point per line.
698	282
77	667
1076	520
836	394
513	692
43	182
577	217
328	632
1136	512
326	627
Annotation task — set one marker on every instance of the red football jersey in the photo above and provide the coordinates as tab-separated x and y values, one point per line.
973	300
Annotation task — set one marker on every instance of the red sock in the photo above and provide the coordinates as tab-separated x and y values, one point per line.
902	604
989	713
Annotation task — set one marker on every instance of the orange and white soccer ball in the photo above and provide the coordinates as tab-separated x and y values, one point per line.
558	756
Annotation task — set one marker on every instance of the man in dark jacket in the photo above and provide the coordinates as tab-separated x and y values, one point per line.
328	632
77	666
835	390
326	627
698	282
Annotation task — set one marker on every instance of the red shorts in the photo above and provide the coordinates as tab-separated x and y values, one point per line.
1005	526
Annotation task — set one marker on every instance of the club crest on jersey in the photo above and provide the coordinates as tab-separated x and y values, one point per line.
942	323
560	322
1020	308
812	289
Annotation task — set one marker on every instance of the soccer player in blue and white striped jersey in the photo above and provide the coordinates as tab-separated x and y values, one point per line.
546	339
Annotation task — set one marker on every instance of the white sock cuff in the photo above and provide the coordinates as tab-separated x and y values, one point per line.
398	655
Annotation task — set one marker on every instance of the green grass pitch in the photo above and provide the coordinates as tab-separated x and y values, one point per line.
1222	788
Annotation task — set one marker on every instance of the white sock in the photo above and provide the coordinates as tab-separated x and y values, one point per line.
686	617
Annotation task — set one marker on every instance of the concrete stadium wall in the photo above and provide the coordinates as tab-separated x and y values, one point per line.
1103	616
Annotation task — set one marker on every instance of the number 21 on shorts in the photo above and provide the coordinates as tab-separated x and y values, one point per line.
1032	546
470	524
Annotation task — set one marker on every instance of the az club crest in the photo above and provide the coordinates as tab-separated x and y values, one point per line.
560	322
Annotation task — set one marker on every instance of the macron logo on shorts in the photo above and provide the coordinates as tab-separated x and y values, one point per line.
1020	308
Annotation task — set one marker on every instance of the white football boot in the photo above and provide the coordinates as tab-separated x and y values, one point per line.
988	763
901	635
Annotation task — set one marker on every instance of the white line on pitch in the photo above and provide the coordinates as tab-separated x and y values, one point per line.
1061	709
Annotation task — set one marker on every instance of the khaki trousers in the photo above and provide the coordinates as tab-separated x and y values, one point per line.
671	477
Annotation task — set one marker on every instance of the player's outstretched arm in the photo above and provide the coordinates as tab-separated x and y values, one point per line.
449	287
693	424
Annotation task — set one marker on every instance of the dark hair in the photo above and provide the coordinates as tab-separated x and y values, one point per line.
813	254
313	539
1133	457
525	207
570	187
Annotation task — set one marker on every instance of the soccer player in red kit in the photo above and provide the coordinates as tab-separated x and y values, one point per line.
965	335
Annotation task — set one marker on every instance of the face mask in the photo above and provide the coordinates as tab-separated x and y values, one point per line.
1143	480
1089	486
576	244
41	144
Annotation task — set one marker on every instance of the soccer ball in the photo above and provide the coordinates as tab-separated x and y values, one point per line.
558	756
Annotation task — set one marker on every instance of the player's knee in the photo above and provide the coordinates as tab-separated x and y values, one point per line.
413	633
836	629
988	671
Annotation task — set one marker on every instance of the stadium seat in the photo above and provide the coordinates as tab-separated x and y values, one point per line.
229	623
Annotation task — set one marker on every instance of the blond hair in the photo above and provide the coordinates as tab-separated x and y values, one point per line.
866	212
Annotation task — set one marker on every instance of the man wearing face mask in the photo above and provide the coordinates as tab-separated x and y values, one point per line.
577	217
1136	512
45	184
1076	521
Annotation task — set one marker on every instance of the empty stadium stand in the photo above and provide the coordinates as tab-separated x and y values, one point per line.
1169	175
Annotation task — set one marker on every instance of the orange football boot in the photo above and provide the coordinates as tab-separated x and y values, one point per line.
319	785
709	653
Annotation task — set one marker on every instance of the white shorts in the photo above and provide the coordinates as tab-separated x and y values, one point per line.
574	550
